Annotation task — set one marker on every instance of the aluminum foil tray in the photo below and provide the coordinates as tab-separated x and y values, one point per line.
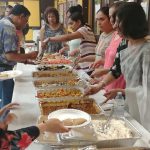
86	136
63	91
53	67
56	73
57	140
53	82
121	142
88	105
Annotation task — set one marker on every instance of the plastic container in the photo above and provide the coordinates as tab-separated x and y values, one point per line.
119	105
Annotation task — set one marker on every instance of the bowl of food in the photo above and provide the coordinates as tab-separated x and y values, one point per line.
71	118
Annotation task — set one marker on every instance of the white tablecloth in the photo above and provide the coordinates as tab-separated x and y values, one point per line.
24	94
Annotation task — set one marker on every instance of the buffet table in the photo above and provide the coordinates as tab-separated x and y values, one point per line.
28	113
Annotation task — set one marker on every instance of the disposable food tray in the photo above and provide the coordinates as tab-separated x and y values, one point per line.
85	104
120	142
56	73
84	136
52	82
53	67
63	91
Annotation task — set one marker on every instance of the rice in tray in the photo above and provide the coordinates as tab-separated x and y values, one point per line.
117	129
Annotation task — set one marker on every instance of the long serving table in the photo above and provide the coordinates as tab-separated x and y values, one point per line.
28	113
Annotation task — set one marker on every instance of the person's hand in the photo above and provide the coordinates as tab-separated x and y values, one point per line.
74	52
91	66
97	64
61	51
55	126
46	40
112	94
9	107
93	81
98	72
10	118
7	120
44	43
93	89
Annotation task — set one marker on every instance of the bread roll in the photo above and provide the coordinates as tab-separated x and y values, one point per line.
68	122
79	121
73	122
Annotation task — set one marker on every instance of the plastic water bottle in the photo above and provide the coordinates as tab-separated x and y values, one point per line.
119	105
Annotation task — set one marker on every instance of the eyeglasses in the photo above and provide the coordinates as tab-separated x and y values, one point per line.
26	19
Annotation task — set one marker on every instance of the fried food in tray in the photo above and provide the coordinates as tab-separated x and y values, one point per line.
59	92
56	81
54	59
73	122
88	105
58	73
52	67
53	56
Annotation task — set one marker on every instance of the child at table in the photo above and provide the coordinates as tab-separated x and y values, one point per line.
22	138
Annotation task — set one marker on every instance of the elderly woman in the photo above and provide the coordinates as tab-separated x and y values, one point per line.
134	62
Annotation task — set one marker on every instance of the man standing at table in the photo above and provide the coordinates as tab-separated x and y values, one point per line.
9	46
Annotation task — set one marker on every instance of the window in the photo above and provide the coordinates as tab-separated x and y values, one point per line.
97	7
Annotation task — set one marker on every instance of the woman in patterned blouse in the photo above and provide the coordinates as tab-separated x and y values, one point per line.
52	28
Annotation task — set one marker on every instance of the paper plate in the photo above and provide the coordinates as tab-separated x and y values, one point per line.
63	114
5	75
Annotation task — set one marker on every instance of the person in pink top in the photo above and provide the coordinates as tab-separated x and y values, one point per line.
110	54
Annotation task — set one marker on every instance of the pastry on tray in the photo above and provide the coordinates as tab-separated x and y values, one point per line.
73	122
